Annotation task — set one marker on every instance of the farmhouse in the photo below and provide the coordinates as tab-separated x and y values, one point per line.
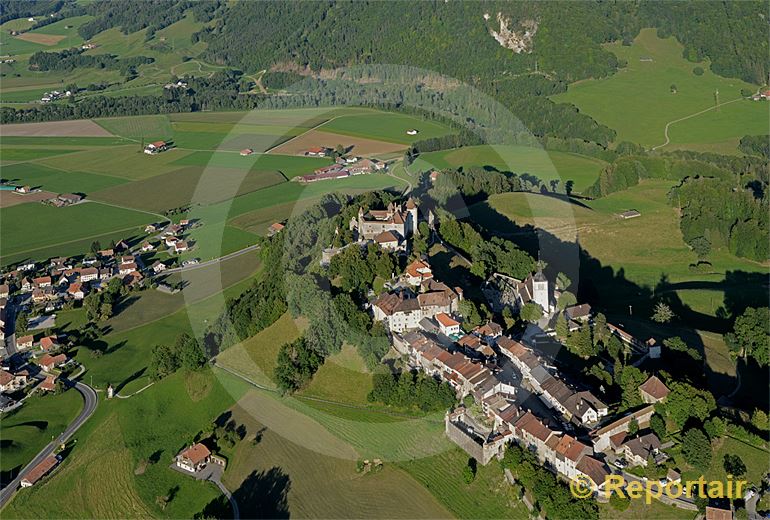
156	147
88	274
274	228
75	291
246	151
39	471
43	281
194	458
318	151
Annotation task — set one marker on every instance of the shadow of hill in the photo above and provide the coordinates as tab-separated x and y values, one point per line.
629	304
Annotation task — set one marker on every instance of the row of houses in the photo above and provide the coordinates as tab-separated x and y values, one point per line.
563	453
581	407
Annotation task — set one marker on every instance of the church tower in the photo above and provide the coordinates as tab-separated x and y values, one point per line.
540	290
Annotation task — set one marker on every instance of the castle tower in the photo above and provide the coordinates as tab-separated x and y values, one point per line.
540	291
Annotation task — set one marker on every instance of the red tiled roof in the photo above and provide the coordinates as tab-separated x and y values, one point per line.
39	471
196	453
446	320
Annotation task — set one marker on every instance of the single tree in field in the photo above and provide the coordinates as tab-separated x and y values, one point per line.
662	313
696	449
673	88
734	465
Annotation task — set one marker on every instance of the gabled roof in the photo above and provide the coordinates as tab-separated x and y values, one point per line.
655	388
39	471
532	425
446	320
196	453
578	311
593	469
386	237
571	448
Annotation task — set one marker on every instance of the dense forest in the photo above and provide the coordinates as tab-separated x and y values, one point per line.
12	9
454	40
70	59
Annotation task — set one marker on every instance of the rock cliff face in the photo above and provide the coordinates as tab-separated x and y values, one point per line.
518	40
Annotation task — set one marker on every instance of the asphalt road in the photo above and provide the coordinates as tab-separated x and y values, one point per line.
90	399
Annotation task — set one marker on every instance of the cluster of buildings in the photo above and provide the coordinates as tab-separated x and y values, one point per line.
64	199
54	95
343	167
761	96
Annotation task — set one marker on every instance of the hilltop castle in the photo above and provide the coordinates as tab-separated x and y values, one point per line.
396	219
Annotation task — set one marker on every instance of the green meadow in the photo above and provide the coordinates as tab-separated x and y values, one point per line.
29	228
28	429
384	126
637	101
544	164
58	181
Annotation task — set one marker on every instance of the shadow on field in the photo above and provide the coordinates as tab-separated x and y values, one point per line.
263	494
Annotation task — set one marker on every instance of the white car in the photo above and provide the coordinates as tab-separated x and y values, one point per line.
620	463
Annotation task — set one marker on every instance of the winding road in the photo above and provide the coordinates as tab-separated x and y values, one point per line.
90	400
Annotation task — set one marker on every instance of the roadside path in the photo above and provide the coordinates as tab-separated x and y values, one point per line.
90	400
665	131
137	392
213	260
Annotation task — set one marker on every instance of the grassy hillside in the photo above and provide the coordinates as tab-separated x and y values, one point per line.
638	103
546	165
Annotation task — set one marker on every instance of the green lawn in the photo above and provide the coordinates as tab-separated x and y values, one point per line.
11	155
58	181
31	230
546	165
488	496
106	474
189	185
149	128
291	166
342	377
319	485
637	101
25	431
384	126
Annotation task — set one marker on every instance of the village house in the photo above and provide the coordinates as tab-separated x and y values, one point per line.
126	268
76	292
639	450
69	198
318	151
147	247
580	313
653	390
150	228
447	325
48	384
25	342
194	458
39	471
718	513
49	362
26	285
42	282
601	437
88	274
4	291
170	241
402	311
180	246
11	382
417	272
158	267
246	151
